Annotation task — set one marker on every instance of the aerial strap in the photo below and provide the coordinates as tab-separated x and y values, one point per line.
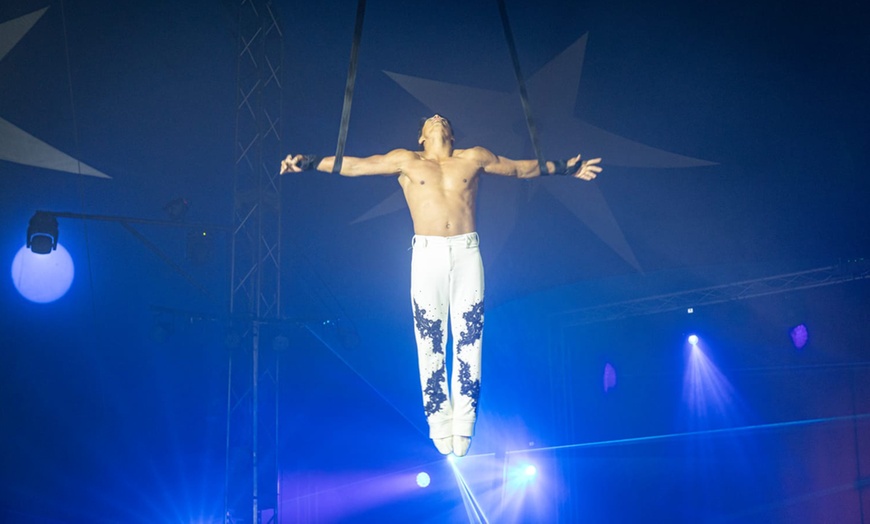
348	89
524	95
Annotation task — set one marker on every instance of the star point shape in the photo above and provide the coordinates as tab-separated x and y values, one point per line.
19	146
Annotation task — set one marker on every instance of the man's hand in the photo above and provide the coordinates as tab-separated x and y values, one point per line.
586	170
291	164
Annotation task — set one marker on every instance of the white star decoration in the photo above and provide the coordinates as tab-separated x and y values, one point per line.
19	146
494	120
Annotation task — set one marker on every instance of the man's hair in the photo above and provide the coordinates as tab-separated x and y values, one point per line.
425	118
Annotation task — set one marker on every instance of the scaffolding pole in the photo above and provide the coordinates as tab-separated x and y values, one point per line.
255	267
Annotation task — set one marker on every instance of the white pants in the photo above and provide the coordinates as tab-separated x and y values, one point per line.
447	279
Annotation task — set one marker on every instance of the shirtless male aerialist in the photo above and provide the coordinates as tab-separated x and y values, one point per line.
440	187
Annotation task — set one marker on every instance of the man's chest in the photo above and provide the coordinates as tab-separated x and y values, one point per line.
449	174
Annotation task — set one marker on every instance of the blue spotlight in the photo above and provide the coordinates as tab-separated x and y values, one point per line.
693	339
522	474
799	336
423	479
609	377
707	392
43	278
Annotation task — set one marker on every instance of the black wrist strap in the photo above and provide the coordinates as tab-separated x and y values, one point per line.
560	168
309	162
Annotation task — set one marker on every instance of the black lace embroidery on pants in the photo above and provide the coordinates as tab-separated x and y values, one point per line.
470	388
434	392
473	325
429	328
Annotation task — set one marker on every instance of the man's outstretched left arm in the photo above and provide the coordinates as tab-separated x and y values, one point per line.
574	167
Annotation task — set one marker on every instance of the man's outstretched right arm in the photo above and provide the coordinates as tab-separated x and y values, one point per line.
388	164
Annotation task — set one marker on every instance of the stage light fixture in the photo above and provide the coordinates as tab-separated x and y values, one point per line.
530	471
43	278
42	233
693	340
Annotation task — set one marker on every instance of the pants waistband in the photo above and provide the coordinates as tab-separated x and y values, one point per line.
466	240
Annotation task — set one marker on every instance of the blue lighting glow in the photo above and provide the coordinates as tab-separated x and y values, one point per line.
707	392
609	377
43	278
799	336
423	479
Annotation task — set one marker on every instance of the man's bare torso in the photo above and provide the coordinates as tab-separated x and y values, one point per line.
439	182
441	192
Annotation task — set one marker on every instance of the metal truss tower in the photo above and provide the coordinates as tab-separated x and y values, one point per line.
252	480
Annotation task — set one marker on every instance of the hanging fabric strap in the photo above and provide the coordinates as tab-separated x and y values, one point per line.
524	95
348	89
